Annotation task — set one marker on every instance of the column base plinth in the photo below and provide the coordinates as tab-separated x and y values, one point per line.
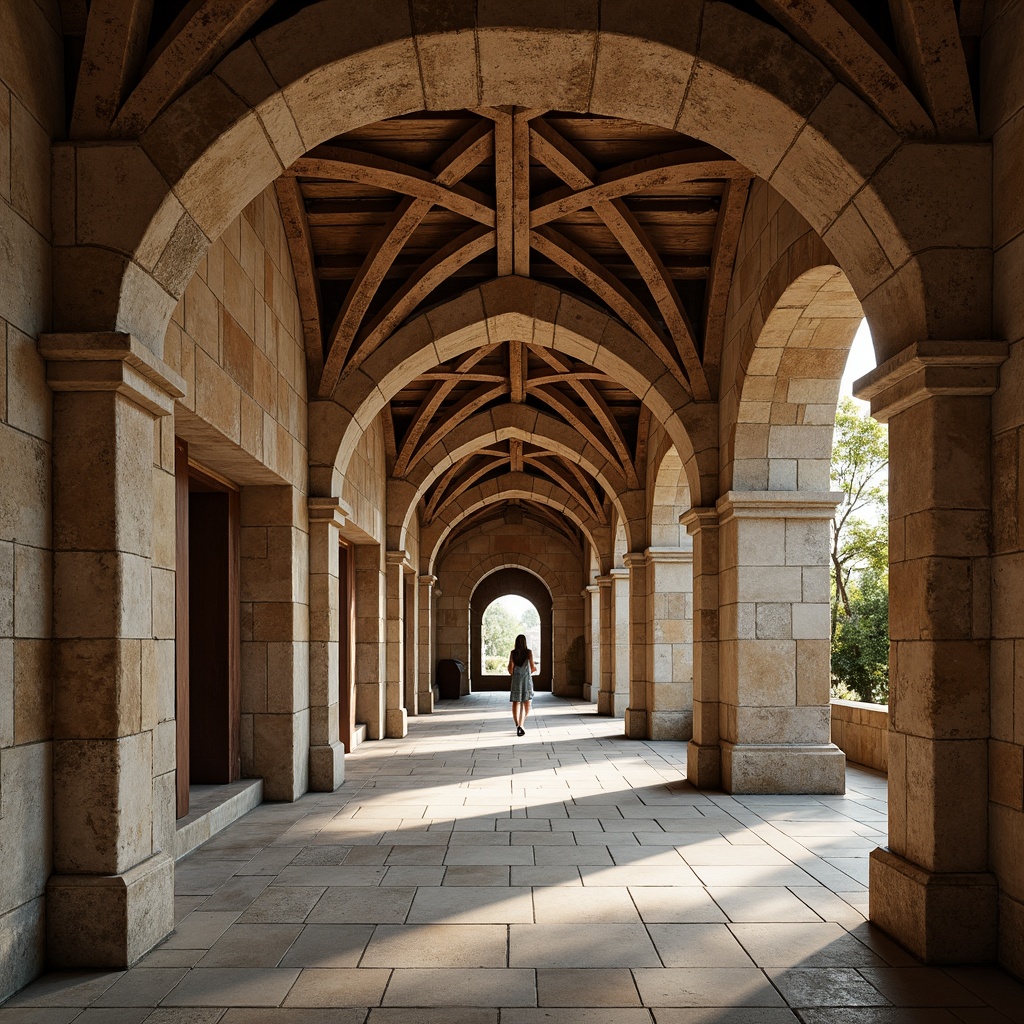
783	768
704	765
612	704
636	723
396	724
943	918
426	706
109	920
326	767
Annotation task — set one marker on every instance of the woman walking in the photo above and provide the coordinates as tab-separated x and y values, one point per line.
521	668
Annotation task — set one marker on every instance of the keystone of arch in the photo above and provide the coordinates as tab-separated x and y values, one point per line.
507	307
502	488
704	68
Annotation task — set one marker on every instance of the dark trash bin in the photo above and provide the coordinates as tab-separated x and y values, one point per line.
449	678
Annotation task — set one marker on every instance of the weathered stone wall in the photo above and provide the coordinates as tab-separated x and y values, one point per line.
492	546
31	114
236	338
861	731
1003	119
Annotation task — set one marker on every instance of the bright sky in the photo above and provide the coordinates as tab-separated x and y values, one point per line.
861	360
516	605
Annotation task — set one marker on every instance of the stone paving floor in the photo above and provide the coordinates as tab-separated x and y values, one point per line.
464	876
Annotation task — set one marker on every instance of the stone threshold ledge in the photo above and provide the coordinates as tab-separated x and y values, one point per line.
213	808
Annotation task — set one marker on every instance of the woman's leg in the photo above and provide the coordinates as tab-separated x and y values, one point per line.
517	713
526	711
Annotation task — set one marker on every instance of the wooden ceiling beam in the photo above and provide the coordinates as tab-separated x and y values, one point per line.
460	486
560	250
673	168
203	32
462	410
517	371
307	284
643	440
568	484
335	163
723	262
836	33
515	455
577	419
116	35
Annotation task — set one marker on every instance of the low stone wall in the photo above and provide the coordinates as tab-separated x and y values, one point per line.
860	731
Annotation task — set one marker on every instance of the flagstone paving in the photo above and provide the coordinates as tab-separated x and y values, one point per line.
466	876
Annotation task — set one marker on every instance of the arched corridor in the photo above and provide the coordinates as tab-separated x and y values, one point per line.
464	868
318	316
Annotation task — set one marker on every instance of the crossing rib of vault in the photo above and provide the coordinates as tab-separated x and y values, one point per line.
399	216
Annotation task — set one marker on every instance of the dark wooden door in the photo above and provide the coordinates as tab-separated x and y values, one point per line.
346	644
181	638
214	633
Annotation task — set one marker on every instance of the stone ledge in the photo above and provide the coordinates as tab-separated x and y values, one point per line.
861	731
783	768
212	808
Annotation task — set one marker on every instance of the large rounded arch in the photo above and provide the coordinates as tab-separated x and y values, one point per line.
510	485
496	425
788	386
302	81
507	307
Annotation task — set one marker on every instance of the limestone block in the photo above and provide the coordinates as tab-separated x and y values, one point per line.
100	691
812	672
109	920
25	783
29	400
24	463
944	833
33	691
1006	774
33	574
811	621
652	43
102	594
22	945
783	768
775	621
280	754
1011	930
942	918
102	804
783	724
671	725
942	689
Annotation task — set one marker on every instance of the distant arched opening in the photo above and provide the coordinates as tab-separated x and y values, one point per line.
520	584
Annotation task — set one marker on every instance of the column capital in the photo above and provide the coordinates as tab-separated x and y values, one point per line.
777	505
428	581
929	369
111	361
620	572
634	559
699	518
604	582
593	588
328	510
399	557
667	555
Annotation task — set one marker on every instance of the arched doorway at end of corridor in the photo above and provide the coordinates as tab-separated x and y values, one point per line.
504	582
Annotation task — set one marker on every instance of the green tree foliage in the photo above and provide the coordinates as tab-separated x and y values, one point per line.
860	556
500	628
860	645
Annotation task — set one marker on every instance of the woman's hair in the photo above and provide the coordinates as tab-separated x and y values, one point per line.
520	652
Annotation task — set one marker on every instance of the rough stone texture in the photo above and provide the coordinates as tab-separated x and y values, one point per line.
861	732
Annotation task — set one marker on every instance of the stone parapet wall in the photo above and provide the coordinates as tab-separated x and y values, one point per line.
861	731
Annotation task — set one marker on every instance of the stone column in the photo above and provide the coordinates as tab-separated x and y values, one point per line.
396	718
931	887
592	599
704	753
369	639
326	751
637	713
412	645
670	643
110	897
774	619
275	592
606	693
619	639
426	642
